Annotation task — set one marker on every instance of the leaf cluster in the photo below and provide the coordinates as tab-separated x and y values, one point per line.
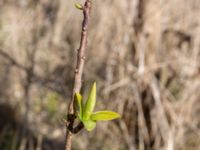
85	111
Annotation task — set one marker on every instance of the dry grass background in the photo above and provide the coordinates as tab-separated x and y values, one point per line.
144	55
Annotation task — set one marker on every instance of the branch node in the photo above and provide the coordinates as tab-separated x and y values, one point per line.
84	29
76	70
83	57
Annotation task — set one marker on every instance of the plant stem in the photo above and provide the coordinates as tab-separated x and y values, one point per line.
78	76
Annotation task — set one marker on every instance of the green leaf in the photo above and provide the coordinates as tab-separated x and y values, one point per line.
89	124
90	103
78	6
79	101
104	115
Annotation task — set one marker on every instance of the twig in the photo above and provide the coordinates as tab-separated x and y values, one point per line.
29	70
44	81
12	61
78	76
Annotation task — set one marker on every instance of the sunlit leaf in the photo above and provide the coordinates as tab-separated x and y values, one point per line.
79	101
104	115
89	124
90	103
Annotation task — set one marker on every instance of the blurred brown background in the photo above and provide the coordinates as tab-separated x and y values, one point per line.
144	55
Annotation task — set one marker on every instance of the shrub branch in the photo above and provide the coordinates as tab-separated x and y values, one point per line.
70	130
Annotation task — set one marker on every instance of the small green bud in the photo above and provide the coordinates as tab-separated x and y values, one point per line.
78	6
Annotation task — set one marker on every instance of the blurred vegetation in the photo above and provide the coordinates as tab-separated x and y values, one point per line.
144	55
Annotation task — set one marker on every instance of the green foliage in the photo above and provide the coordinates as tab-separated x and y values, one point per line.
79	101
104	115
90	103
86	114
89	124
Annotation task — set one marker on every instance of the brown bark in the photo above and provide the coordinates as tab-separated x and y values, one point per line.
70	130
